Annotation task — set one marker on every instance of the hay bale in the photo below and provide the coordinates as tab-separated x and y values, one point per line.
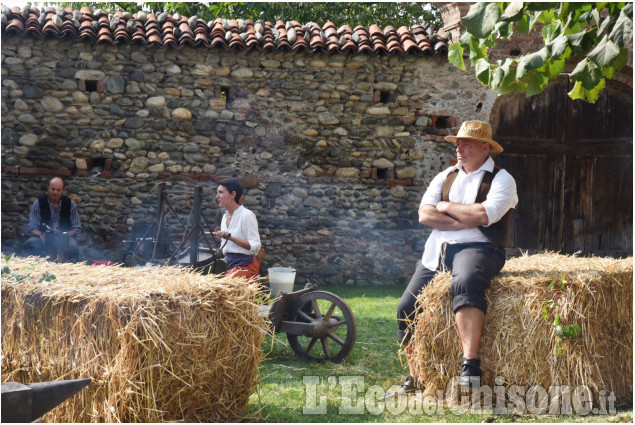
520	344
161	344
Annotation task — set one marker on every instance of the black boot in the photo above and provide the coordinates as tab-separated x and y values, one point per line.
409	386
470	373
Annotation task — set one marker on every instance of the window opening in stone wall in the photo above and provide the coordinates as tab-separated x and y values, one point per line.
441	122
97	164
91	85
514	52
387	97
224	94
382	173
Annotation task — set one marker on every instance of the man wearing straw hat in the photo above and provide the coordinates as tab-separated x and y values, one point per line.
469	206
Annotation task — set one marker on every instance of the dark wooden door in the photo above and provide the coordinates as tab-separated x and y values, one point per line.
573	165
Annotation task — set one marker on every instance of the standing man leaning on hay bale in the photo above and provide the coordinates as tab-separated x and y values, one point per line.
469	206
53	224
239	226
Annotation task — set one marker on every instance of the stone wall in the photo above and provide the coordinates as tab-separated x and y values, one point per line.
335	150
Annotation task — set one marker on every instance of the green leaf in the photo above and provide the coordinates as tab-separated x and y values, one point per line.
558	47
604	53
595	14
513	12
545	315
504	30
622	32
554	68
6	270
522	26
571	331
579	92
551	31
556	322
605	23
580	42
547	16
532	61
538	6
482	70
481	19
465	40
537	83
588	73
455	56
621	60
477	51
7	257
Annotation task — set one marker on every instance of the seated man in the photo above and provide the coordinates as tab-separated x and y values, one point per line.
53	224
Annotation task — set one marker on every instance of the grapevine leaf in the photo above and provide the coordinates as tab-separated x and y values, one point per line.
604	53
538	6
558	47
622	32
522	26
482	70
579	92
481	19
551	31
537	83
532	61
455	56
513	12
554	68
588	73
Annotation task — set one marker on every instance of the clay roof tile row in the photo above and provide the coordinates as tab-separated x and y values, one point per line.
164	30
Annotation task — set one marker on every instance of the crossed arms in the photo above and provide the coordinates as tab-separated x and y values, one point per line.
453	216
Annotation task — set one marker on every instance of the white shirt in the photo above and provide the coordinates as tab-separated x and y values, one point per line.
244	225
501	197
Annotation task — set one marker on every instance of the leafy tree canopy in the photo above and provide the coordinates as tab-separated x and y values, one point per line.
592	35
351	13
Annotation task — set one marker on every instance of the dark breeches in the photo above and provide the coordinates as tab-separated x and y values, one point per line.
473	266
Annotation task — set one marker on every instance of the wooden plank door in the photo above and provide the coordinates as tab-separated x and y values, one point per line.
573	166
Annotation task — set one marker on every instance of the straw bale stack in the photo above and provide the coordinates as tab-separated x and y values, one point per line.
521	345
161	344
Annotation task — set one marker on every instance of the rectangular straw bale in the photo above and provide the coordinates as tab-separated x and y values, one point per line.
519	344
161	344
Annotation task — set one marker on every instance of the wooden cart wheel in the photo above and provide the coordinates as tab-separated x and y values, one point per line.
333	331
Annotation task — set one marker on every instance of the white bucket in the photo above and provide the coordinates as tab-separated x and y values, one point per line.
281	279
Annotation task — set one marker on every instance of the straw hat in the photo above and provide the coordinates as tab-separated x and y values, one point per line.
477	130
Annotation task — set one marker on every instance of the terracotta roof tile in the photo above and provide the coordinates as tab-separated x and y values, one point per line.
165	30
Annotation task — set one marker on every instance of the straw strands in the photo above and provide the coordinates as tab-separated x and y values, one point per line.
161	344
520	342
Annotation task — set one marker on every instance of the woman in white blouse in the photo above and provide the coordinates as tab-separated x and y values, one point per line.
240	227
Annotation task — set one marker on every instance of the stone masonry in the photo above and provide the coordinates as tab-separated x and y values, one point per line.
335	150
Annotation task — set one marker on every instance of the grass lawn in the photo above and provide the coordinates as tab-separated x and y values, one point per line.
294	390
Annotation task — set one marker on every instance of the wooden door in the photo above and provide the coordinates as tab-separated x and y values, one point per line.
573	165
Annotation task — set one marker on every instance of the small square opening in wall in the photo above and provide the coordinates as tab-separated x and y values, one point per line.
91	85
442	122
225	94
382	173
387	97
